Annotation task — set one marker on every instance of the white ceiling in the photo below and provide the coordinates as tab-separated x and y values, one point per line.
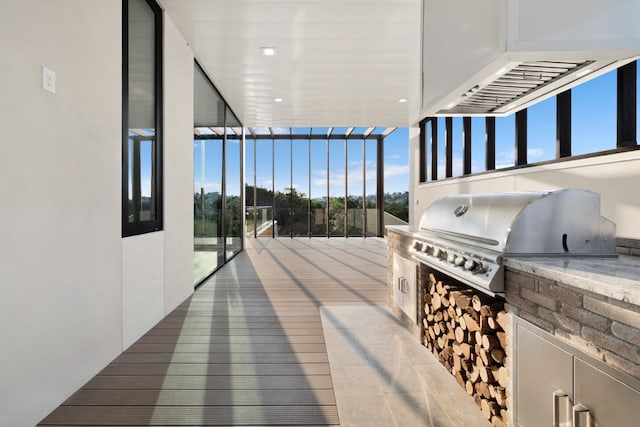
338	62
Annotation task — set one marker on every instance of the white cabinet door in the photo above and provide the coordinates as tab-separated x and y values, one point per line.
410	296
404	286
398	270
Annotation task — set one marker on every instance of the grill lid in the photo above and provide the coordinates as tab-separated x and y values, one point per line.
467	236
561	222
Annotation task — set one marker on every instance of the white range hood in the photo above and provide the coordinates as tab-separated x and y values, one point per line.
495	57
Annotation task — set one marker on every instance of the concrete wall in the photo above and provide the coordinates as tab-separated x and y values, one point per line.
68	303
614	176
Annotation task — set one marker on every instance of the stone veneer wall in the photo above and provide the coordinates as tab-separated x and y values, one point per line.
607	329
628	246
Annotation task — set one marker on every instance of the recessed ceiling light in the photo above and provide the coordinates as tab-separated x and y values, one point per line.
268	51
277	99
451	105
501	71
402	100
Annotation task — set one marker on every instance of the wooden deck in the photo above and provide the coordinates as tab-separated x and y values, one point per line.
246	349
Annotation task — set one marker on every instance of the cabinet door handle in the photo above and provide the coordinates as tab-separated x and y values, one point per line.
561	409
403	285
581	416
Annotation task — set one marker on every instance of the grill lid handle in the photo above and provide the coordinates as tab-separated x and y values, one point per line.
461	210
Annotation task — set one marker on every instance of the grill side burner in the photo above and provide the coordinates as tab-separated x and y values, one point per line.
466	236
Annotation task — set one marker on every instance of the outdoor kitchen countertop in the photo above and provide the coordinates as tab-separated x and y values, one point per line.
617	278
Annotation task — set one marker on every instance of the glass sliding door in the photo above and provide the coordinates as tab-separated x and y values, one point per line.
355	180
371	186
337	190
282	185
208	145
300	189
207	206
319	189
233	185
249	185
217	165
264	188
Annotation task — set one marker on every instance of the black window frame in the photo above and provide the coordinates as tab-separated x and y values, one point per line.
142	227
627	123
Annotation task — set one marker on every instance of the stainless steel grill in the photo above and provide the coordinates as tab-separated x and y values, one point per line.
466	236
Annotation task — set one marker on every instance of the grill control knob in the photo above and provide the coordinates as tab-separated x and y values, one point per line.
427	248
471	265
479	268
451	258
437	252
417	245
460	261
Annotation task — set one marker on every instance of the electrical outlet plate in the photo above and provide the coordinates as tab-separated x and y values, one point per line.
48	79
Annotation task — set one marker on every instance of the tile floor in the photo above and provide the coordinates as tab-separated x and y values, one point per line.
382	376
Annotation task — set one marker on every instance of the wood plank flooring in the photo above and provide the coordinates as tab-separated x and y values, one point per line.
246	349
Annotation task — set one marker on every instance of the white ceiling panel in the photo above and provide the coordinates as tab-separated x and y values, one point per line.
337	63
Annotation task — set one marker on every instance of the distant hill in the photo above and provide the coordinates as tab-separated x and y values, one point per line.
397	204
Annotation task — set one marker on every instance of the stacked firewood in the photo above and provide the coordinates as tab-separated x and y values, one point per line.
465	330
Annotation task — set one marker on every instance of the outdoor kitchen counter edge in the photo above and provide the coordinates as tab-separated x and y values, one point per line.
615	278
401	229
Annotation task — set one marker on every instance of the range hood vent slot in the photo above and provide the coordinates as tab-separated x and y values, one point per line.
512	85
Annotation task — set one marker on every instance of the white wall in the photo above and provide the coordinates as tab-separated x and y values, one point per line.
414	172
573	24
158	267
60	245
178	168
142	284
466	43
68	305
614	176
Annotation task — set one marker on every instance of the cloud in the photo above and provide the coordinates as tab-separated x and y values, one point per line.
505	159
209	187
264	183
395	170
535	153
